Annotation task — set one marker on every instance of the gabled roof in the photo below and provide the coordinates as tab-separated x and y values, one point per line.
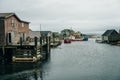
7	15
56	34
33	34
44	32
110	32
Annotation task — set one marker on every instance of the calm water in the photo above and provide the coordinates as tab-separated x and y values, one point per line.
75	61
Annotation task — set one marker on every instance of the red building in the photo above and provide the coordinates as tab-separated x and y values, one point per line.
12	28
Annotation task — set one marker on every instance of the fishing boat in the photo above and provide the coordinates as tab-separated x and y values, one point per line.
77	39
67	40
84	38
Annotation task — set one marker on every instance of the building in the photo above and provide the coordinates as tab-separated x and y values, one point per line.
56	36
12	28
66	32
110	36
33	34
38	34
45	34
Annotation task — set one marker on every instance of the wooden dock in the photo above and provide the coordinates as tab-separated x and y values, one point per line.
32	52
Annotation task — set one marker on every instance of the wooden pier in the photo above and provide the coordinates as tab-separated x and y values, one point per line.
34	52
20	44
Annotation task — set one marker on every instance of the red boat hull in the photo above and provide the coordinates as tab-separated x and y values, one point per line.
67	41
76	39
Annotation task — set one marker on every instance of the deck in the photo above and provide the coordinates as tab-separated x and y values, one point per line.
32	52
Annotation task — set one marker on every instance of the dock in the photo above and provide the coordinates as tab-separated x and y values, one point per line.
32	52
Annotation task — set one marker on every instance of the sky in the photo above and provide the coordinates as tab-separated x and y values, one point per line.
56	15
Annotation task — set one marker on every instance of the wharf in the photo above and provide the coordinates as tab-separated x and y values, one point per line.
99	41
32	52
55	44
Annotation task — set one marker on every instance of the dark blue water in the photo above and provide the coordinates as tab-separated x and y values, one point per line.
76	61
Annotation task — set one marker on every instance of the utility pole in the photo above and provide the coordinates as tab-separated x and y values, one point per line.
40	27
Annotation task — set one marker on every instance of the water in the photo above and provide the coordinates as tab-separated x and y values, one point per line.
76	61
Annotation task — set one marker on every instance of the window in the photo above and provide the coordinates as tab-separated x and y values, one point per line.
22	24
12	20
12	23
16	24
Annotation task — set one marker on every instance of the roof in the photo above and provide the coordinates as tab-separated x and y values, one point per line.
110	32
7	15
56	34
70	30
33	34
44	32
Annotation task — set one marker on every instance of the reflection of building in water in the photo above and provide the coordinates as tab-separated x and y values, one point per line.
37	74
18	72
41	75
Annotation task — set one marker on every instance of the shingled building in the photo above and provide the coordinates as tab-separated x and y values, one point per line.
12	28
110	36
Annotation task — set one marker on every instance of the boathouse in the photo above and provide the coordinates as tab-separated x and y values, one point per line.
110	36
12	28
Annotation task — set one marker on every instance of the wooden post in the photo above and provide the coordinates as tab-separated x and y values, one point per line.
35	41
3	57
46	48
40	40
3	49
49	44
20	41
41	45
47	41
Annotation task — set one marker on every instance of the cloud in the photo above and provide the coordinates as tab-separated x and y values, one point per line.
85	15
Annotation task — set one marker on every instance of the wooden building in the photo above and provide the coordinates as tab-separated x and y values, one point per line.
66	32
110	36
12	28
45	34
33	34
56	36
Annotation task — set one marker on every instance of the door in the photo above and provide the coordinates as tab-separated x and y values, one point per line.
10	37
23	36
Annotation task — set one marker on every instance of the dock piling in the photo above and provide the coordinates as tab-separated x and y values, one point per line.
35	40
21	41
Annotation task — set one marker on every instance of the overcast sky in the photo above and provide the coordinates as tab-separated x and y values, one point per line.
55	15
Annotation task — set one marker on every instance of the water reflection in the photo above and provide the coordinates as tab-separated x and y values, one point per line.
75	61
21	71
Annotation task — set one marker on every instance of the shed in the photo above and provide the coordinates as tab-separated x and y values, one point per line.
110	36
